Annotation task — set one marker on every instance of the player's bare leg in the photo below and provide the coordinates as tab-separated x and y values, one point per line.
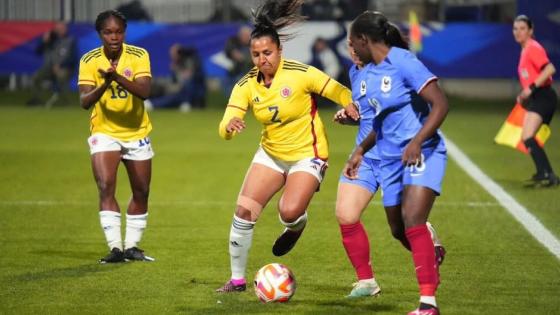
417	202
544	175
104	166
299	189
139	176
260	184
351	201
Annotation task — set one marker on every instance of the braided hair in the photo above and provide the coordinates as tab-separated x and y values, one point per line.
103	16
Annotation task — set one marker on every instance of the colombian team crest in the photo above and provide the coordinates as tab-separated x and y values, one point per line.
285	92
127	73
386	84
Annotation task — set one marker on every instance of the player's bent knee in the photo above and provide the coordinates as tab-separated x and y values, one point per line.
346	217
248	208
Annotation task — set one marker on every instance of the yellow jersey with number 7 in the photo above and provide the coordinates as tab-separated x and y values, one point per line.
292	128
118	113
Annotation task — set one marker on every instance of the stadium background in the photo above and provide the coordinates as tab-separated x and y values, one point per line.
49	233
473	41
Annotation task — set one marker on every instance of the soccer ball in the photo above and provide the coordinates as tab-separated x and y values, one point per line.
275	283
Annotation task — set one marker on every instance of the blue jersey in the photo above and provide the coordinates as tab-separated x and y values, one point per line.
391	89
357	79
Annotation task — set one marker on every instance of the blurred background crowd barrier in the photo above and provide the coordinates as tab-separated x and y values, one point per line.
467	43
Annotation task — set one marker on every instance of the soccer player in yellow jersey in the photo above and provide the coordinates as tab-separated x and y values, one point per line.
293	150
115	80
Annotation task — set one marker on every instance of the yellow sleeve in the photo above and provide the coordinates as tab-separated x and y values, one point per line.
327	87
237	107
143	66
85	75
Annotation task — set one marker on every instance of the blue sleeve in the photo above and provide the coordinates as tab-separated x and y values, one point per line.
415	74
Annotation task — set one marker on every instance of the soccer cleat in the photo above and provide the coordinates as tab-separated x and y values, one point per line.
135	253
230	287
430	311
115	256
364	289
285	242
440	254
438	247
545	179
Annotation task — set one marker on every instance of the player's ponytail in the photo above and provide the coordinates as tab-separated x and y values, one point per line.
377	28
394	37
274	15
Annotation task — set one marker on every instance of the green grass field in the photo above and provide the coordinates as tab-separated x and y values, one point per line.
50	238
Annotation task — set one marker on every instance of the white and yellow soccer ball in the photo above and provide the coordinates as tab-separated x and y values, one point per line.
275	283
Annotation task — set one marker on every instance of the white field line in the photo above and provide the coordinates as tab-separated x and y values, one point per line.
520	213
208	203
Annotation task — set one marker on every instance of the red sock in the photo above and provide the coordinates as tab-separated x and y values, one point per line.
424	259
356	244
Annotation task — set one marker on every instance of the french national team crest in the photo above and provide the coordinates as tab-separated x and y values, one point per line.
363	87
285	91
386	84
127	73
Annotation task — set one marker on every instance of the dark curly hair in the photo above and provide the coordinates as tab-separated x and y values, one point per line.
273	15
103	16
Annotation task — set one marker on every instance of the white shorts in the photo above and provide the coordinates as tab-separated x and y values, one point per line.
313	166
137	150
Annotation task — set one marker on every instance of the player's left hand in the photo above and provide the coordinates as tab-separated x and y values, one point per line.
109	74
351	167
412	154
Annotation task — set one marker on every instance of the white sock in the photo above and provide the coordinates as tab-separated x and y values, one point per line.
297	225
135	225
368	281
428	300
111	225
240	240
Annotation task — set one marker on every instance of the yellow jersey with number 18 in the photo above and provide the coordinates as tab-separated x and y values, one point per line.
292	128
118	113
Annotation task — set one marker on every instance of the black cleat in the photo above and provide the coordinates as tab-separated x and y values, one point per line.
440	254
545	180
115	256
230	287
285	242
135	253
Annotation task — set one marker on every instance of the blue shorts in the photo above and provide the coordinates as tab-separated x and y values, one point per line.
395	176
368	175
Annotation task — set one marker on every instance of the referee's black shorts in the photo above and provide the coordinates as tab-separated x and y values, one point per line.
543	101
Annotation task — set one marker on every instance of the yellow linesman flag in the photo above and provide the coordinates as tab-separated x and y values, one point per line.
415	32
510	132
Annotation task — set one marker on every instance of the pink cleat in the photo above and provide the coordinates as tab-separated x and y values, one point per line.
430	311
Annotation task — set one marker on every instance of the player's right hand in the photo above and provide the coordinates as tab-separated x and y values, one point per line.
235	124
351	167
352	111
